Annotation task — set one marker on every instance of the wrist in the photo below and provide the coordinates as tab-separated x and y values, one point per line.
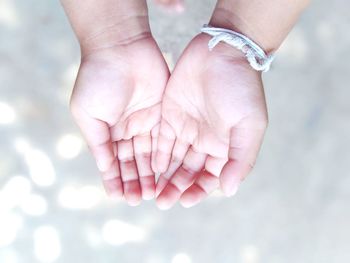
221	53
107	23
226	18
266	23
121	32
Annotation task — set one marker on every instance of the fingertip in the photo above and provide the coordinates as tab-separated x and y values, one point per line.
162	204
133	201
229	189
113	188
230	179
148	196
132	194
161	184
104	164
192	196
116	196
186	203
168	197
148	193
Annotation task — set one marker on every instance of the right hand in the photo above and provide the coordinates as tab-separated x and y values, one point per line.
116	102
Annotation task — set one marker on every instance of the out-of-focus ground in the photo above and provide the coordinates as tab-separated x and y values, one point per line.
295	206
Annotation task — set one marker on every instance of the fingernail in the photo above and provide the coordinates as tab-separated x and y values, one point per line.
233	190
100	166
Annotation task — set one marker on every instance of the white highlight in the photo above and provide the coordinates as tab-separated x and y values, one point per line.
8	13
16	190
116	232
34	205
40	167
92	235
80	198
47	245
9	225
22	145
7	113
249	254
181	258
39	164
9	255
69	146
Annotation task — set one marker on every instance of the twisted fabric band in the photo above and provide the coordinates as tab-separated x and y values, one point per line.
254	54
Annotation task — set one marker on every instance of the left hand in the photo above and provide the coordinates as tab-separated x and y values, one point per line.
213	121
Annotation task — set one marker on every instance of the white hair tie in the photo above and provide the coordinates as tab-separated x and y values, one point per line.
255	55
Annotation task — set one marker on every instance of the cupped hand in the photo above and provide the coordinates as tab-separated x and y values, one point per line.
116	102
213	121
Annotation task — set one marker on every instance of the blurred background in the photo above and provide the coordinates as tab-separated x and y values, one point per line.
294	207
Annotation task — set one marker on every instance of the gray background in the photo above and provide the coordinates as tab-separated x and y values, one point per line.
293	208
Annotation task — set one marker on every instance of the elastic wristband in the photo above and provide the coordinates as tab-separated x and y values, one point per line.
255	55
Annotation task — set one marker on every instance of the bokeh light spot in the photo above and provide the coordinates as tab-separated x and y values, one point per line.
47	244
116	232
22	145
34	205
69	146
16	189
9	255
80	198
7	113
40	167
249	254
10	223
8	13
181	258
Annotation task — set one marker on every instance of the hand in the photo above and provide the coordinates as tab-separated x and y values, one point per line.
117	102
213	121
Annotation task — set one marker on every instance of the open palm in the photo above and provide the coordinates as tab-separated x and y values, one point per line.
117	102
213	121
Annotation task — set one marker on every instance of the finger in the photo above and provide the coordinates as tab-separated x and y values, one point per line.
203	186
142	150
206	183
166	140
142	121
128	170
182	179
118	131
154	134
97	136
112	181
245	143
178	154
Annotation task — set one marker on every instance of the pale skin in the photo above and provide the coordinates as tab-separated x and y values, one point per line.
201	127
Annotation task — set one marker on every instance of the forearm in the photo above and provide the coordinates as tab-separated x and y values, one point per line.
106	23
265	22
